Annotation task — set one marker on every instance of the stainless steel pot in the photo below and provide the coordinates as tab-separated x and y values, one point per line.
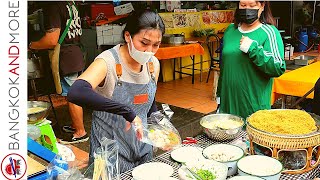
38	116
218	133
34	66
173	38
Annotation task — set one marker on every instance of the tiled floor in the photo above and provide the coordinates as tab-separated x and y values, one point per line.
182	93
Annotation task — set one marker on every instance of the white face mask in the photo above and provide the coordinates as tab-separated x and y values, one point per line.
139	56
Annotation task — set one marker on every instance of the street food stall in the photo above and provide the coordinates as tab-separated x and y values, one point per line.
270	144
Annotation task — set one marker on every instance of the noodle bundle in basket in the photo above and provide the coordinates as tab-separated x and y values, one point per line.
285	122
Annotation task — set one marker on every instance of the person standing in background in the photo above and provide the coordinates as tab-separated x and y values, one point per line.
71	61
253	53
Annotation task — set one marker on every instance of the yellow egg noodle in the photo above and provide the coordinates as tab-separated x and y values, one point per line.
287	122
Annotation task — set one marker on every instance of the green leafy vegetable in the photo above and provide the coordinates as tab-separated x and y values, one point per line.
206	174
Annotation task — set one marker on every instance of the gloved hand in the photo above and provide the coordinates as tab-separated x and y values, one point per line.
218	104
245	43
137	123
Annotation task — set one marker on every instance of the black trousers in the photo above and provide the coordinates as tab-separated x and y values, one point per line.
316	98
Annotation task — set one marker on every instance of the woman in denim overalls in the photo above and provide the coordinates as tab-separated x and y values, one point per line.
120	86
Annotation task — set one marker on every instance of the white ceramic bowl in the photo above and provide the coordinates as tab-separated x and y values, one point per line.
220	170
152	170
261	166
226	154
187	153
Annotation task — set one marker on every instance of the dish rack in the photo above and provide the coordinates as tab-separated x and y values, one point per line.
308	143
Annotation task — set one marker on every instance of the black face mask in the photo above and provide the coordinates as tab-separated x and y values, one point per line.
247	16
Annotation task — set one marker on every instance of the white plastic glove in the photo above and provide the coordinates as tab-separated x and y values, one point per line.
137	125
245	43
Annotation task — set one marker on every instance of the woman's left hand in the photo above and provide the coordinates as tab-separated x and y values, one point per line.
245	43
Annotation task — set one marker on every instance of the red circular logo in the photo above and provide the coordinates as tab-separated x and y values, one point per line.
13	166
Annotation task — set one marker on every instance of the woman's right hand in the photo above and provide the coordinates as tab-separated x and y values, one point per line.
137	122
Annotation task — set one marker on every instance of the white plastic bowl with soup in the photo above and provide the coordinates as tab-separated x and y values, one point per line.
261	166
226	154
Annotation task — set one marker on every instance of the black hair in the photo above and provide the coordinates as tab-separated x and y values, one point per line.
143	19
265	17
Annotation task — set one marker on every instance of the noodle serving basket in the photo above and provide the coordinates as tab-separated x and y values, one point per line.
278	145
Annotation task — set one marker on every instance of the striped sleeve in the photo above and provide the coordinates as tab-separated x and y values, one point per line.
269	57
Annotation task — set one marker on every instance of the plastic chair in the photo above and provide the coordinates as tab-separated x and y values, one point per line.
48	134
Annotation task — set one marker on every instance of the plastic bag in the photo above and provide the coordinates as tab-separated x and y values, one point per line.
34	133
160	132
59	169
111	150
65	152
105	165
293	160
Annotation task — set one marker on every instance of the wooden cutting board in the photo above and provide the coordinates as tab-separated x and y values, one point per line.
34	166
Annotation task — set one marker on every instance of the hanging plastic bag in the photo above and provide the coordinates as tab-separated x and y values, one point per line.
111	150
160	132
106	162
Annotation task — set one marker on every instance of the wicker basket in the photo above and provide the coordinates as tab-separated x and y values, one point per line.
276	142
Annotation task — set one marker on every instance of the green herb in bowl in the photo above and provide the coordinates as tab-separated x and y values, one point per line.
206	174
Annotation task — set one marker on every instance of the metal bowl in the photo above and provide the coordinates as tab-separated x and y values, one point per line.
38	116
173	38
220	134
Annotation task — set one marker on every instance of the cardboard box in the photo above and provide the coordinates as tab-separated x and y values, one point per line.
107	32
100	40
117	39
107	27
99	28
116	29
99	33
108	40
